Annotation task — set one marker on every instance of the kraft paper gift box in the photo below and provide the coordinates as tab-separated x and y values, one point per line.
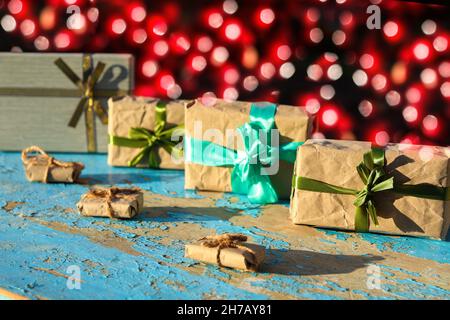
234	120
227	250
59	100
350	185
43	168
121	203
136	138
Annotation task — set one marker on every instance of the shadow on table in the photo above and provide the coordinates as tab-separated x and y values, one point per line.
186	214
114	178
308	263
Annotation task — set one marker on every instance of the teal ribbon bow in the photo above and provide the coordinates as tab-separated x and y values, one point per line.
148	140
372	173
250	174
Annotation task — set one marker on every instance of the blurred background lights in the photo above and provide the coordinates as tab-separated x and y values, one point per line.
429	78
365	108
204	44
313	14
232	31
27	27
379	82
413	95
440	44
118	26
327	92
287	70
360	78
250	83
15	6
430	123
426	153
230	94
444	69
429	27
312	105
410	114
267	16
421	51
382	138
138	14
231	76
445	89
199	63
215	20
316	35
149	68
160	48
338	37
139	36
174	91
334	72
41	43
230	6
267	70
284	52
390	29
220	55
8	23
366	61
330	117
314	72
393	98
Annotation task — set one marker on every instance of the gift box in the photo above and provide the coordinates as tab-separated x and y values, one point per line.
59	100
351	185
43	168
242	147
121	203
227	250
146	132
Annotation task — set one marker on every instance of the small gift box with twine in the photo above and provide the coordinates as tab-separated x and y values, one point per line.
353	185
114	202
44	168
227	250
59	100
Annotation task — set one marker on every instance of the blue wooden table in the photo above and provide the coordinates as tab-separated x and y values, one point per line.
48	251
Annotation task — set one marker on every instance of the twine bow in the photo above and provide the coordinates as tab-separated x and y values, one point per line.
108	195
149	140
88	103
50	161
229	240
372	173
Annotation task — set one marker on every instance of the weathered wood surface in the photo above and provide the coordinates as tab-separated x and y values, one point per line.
42	235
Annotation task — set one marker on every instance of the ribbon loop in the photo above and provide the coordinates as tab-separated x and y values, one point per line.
88	102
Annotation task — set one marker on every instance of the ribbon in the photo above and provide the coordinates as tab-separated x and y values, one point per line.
148	140
88	103
229	240
249	175
372	173
113	193
50	161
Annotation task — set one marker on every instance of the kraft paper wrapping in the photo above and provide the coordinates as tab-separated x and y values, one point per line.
139	112
293	124
235	258
121	208
335	162
36	170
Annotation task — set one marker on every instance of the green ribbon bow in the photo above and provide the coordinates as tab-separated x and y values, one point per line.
372	173
88	103
148	140
250	165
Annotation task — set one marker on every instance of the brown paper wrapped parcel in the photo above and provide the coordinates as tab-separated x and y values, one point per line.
46	169
227	250
398	212
128	113
121	203
293	125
